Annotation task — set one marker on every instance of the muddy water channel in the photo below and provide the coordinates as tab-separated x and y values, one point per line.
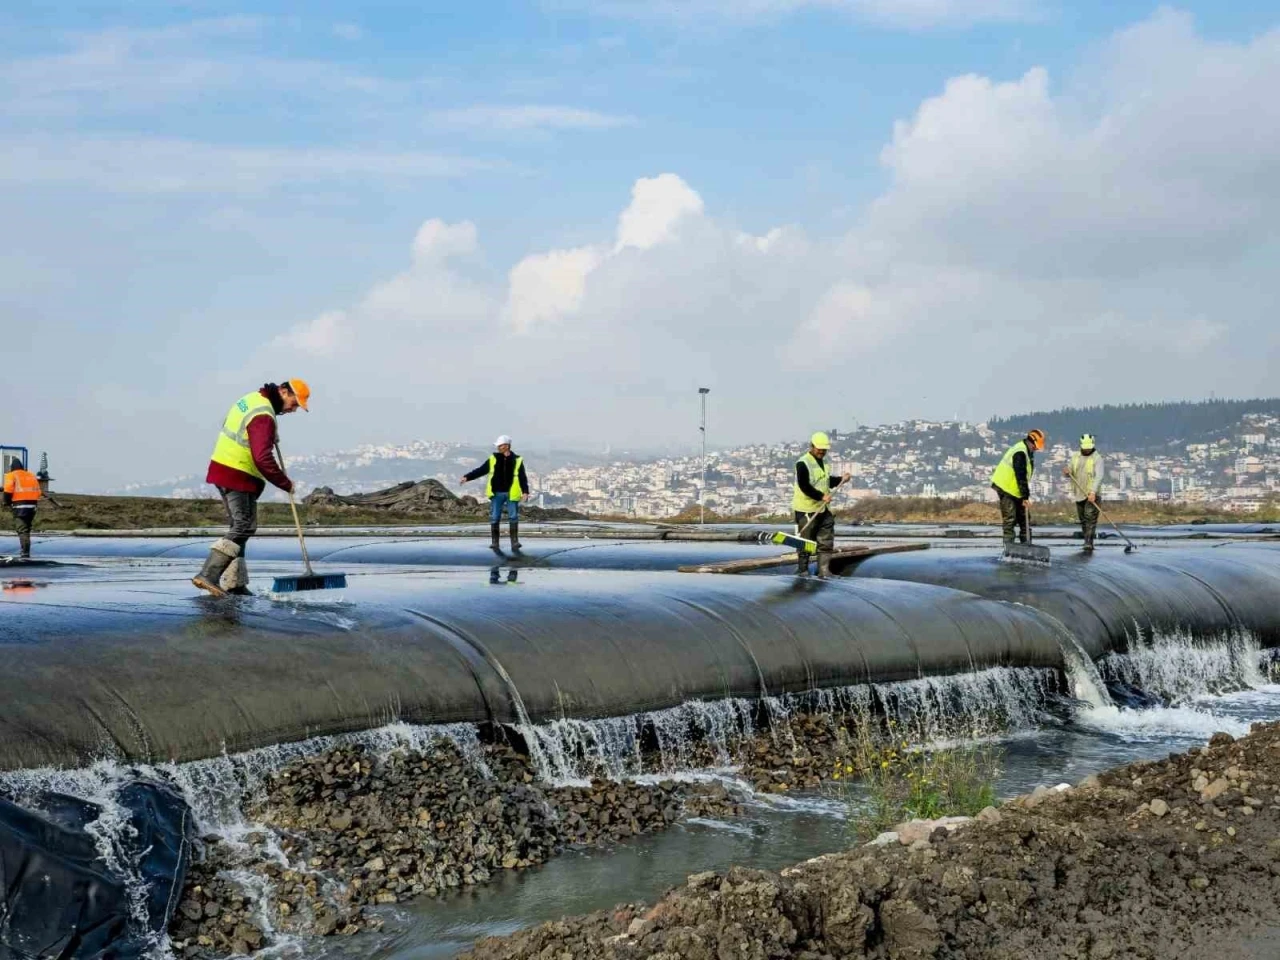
777	831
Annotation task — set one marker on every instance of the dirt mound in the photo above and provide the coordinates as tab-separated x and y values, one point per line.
426	498
1153	860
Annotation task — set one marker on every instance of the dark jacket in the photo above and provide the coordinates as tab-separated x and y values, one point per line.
262	442
503	472
1020	472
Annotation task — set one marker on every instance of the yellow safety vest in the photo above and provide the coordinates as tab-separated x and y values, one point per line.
1003	475
232	449
1083	471
818	479
516	491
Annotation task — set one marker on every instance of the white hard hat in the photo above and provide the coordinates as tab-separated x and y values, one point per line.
501	440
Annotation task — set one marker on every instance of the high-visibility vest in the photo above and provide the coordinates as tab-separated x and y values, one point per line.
516	491
22	486
232	449
818	479
1084	471
1003	475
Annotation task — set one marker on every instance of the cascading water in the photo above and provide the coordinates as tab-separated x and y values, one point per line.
1179	668
701	734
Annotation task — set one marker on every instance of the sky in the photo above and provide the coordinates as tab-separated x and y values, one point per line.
558	219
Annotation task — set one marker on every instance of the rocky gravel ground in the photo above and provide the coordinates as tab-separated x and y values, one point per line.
1169	859
347	831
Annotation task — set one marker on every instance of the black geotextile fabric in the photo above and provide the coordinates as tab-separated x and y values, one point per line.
62	900
1108	598
131	671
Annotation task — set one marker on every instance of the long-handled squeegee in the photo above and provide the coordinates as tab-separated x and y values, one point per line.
1027	551
309	580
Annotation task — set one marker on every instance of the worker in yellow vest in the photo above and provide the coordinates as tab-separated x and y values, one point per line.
506	487
243	462
1011	480
21	495
810	500
1085	473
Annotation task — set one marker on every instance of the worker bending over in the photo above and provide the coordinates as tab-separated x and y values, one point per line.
243	461
1011	479
1085	472
506	487
810	502
21	494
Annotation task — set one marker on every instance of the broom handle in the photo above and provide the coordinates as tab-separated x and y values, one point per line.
302	541
817	513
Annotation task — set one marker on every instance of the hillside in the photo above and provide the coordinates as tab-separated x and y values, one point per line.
1143	427
408	505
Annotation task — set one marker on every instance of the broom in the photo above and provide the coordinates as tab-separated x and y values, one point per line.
309	580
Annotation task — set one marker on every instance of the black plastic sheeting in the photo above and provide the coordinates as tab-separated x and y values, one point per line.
1108	597
61	899
146	672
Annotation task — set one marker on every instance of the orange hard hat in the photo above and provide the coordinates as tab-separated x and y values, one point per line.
1037	437
302	392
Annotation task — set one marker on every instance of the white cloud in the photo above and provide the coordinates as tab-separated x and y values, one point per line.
548	286
437	240
130	70
907	14
527	117
1110	237
320	337
1134	166
348	31
658	204
152	165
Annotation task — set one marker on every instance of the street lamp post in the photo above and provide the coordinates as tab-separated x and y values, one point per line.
702	494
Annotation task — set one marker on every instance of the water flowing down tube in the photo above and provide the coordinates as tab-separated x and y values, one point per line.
143	672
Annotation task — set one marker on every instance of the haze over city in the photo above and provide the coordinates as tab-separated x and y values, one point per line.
558	220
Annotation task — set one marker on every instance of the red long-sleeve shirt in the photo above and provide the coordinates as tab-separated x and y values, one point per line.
262	442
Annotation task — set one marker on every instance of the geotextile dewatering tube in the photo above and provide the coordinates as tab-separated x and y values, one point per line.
143	671
1108	598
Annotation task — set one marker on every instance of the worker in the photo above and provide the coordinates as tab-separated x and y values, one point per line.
507	485
1085	473
1011	479
242	464
21	494
810	502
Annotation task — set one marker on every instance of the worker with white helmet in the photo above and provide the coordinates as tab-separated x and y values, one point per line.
811	503
507	485
1085	473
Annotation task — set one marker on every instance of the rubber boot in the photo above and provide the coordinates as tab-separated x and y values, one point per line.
824	565
514	529
494	535
235	580
215	565
802	563
24	545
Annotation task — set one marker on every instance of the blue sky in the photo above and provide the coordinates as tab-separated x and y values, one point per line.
557	219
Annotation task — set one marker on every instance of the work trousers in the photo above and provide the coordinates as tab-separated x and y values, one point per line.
502	501
822	529
242	515
1088	514
1013	515
23	518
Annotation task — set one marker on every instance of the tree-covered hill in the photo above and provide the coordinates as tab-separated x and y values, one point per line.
1142	427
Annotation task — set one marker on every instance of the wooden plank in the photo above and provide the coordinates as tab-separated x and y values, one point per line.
781	560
